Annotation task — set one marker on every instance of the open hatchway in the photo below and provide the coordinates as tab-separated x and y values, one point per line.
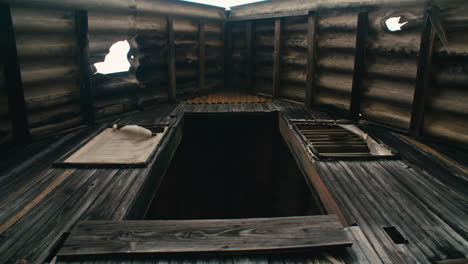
233	166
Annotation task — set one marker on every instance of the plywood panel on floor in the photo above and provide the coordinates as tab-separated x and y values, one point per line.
232	235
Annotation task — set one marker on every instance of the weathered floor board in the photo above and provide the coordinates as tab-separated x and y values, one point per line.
197	236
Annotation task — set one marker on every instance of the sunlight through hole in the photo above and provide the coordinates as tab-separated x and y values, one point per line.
393	24
116	60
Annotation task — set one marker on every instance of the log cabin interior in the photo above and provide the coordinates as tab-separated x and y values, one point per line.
283	131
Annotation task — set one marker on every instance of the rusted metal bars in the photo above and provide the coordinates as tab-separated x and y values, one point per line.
201	56
172	94
311	88
422	90
359	64
14	86
277	58
86	89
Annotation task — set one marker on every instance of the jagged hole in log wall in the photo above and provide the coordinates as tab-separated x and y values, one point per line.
233	167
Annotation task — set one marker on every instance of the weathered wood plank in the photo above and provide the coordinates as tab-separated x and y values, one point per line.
311	58
86	89
298	150
422	89
362	247
359	64
277	58
201	56
13	82
171	60
228	46
249	55
233	235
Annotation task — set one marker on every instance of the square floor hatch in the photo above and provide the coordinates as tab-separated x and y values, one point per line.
233	166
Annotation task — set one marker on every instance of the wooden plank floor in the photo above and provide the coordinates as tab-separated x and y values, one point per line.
425	207
425	202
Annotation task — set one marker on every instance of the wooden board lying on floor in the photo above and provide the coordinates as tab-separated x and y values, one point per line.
115	147
177	236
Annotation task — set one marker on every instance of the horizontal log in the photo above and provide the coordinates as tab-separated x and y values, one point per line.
296	76
33	50
300	7
50	95
37	75
336	40
393	67
339	101
112	24
334	61
181	9
292	92
52	128
447	127
338	21
387	113
162	7
337	82
27	20
388	91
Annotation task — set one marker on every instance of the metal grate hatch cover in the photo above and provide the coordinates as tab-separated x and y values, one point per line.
328	139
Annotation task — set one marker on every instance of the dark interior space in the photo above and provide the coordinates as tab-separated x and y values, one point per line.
234	166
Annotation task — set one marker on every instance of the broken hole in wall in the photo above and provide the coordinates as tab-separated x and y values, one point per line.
117	60
395	23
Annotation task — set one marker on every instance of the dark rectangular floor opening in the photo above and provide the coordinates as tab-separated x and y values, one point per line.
233	166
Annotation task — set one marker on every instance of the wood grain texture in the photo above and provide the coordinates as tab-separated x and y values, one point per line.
171	236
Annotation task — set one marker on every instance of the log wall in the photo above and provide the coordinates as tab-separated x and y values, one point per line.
388	76
48	54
